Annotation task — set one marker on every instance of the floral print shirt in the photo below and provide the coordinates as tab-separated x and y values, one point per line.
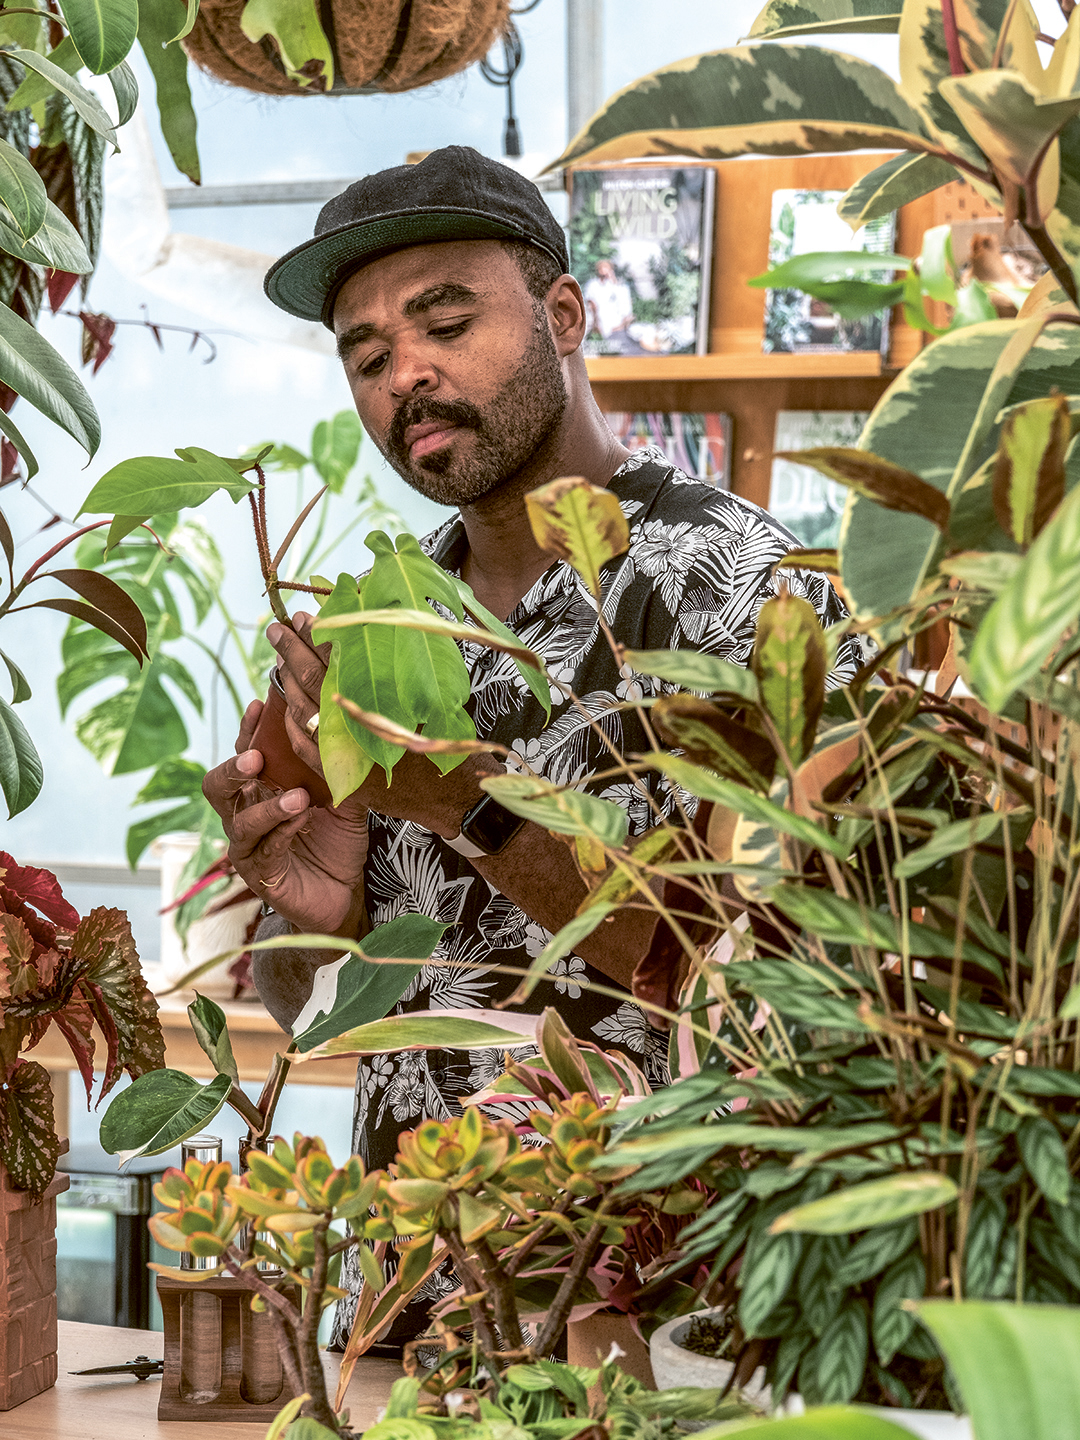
697	572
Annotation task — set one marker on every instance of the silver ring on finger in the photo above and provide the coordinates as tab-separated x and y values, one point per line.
312	725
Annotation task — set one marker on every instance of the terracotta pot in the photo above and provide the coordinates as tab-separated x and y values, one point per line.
674	1366
590	1340
378	45
27	1291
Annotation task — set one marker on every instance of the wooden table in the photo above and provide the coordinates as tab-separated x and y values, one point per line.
256	1039
104	1407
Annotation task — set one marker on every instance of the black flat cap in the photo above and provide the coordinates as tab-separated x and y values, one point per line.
453	194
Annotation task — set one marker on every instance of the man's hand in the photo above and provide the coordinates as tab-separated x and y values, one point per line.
307	862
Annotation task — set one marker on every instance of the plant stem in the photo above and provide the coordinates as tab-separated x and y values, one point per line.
567	1292
314	1380
1060	267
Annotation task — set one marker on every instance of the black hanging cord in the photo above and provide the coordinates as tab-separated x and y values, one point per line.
513	57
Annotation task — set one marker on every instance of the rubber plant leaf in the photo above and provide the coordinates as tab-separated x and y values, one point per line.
757	99
879	480
1029	471
781	18
899	181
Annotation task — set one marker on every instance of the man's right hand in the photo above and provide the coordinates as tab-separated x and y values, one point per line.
305	861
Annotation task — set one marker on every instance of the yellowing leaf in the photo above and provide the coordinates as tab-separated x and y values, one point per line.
791	663
579	522
1029	472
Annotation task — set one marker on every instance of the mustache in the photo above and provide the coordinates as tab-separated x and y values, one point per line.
424	408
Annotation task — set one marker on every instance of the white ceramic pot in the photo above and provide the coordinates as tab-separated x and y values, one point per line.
210	936
674	1366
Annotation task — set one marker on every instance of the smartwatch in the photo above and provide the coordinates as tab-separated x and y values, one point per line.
485	829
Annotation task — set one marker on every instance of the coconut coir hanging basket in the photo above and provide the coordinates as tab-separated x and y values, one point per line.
378	45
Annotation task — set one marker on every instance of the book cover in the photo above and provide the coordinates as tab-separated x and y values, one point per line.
641	249
809	505
805	221
696	441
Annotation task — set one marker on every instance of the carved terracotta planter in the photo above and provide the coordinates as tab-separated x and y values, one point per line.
27	1291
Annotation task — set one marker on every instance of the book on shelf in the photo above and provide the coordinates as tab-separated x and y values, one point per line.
698	442
805	221
803	500
641	249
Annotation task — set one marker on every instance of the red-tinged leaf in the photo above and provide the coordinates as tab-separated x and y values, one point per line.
29	1146
708	736
99	1009
37	887
106	595
60	285
210	876
114	985
97	333
76	1023
880	480
91	615
18	974
1029	472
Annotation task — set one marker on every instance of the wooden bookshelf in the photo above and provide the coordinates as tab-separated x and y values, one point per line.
736	376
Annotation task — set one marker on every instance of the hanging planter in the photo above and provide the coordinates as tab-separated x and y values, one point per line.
343	47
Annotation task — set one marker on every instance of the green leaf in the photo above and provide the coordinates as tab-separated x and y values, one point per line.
875	1250
877	1202
132	729
696	671
899	181
1029	473
159	1110
961	835
335	445
1045	1158
20	764
781	18
892	1324
566	812
824	1422
1017	1366
802	271
103	30
86	104
581	523
790	662
757	99
765	1276
34	370
1009	119
57	244
192	7
418	1031
302	43
878	480
150	484
143	833
126	90
22	191
1026	621
562	943
841	1354
709	786
168	65
13	433
355	991
212	1032
20	687
35	87
533	677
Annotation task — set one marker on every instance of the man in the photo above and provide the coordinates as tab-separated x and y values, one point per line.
608	301
460	333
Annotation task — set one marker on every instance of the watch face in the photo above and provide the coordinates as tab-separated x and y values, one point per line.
490	825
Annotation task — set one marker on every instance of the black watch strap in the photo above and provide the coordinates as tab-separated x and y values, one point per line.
486	829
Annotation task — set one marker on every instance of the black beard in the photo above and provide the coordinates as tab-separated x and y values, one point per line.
518	425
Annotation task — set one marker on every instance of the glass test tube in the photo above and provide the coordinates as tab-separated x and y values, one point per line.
200	1312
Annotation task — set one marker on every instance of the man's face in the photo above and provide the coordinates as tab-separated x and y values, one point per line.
452	366
604	270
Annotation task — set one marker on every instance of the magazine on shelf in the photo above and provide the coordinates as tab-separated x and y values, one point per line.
698	442
809	505
805	221
641	249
